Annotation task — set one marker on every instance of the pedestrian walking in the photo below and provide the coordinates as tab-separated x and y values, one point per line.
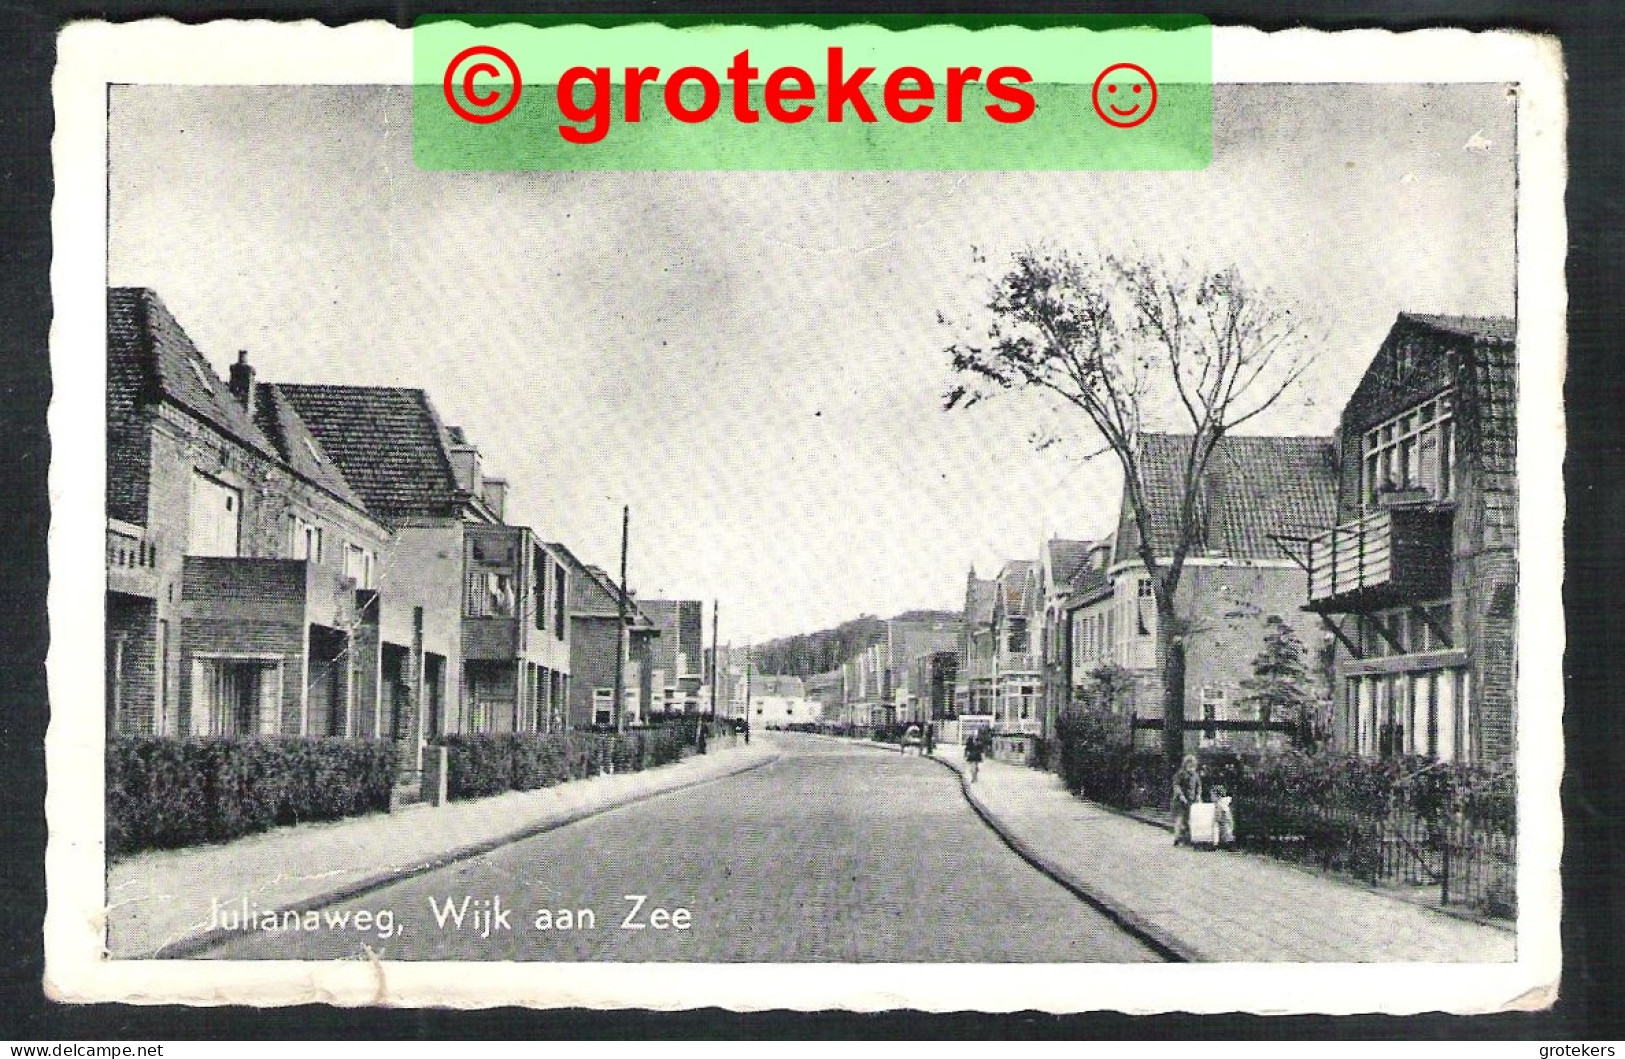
973	755
747	731
930	740
1187	792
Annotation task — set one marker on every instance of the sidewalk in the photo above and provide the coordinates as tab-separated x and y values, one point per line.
1210	905
159	903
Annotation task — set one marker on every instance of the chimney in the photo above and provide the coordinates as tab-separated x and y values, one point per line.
465	463
242	381
495	495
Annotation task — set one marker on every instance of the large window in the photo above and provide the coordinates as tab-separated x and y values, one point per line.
1414	450
232	696
1423	714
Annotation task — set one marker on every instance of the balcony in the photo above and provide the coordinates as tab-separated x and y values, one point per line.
132	560
1024	662
1390	557
250	593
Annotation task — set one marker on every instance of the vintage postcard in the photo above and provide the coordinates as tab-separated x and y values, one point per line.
810	514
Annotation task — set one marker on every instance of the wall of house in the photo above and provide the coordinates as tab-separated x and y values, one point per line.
156	493
133	621
425	568
592	664
1227	605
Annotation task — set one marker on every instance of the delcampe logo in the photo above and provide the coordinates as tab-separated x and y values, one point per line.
887	92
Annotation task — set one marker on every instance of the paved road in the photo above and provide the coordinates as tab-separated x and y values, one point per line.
834	853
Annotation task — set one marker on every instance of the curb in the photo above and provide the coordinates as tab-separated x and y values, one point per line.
1130	922
195	944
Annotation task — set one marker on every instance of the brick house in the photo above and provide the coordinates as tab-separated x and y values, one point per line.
492	595
974	691
1089	627
908	639
594	615
1417	575
1256	493
677	654
245	576
1017	622
1059	562
932	685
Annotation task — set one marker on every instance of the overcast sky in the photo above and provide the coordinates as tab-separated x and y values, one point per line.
753	361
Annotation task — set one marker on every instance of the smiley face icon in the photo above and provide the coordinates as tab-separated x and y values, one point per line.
1128	99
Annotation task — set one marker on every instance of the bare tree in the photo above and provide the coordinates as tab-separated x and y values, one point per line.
1135	345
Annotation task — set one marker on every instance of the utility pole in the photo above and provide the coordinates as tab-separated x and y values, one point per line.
620	626
715	648
749	649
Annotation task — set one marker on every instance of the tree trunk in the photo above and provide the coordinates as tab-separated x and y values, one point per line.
1171	657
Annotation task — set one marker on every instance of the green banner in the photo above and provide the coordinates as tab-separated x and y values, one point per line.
860	92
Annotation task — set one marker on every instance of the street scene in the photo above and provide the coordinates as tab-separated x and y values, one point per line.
813	568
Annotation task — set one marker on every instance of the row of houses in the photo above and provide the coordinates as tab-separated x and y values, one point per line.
1389	548
333	560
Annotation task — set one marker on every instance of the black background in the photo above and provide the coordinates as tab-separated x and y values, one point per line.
1593	995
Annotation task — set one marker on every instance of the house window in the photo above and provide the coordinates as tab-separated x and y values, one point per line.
304	539
358	564
540	588
1144	598
213	517
603	706
1212	710
236	697
1414	450
558	601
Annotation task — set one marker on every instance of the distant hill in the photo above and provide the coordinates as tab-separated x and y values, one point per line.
805	654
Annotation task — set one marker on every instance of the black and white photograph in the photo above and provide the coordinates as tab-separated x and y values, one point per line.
953	589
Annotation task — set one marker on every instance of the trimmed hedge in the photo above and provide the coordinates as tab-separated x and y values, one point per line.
164	793
478	766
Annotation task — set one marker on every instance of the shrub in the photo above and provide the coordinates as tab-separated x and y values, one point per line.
164	793
483	765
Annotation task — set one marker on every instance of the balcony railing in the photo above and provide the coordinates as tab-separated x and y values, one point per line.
1013	662
1390	556
132	560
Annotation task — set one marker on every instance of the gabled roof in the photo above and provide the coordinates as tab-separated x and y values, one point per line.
298	447
594	592
148	351
980	597
1489	328
1065	556
1253	487
1015	582
1088	582
389	444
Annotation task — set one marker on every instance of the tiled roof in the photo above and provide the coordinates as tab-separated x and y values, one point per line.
299	448
142	333
592	590
1494	328
1253	487
1013	582
388	443
979	599
1065	557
